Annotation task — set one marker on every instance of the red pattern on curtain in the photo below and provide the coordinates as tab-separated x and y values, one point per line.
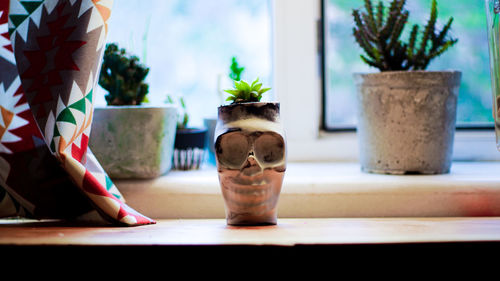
50	56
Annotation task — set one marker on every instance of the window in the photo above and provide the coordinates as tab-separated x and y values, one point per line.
188	46
298	83
470	56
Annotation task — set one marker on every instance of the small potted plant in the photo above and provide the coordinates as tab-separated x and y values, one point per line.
250	151
190	143
235	72
130	139
406	114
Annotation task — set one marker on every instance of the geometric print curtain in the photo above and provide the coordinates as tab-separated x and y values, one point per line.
50	56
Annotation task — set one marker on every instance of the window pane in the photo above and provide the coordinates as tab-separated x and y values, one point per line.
188	46
469	55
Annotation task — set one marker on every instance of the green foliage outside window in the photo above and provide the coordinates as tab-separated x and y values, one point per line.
378	33
470	56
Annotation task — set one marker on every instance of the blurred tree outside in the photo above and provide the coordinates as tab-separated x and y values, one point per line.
469	55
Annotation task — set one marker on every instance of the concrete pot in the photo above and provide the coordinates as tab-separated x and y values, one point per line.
406	121
134	141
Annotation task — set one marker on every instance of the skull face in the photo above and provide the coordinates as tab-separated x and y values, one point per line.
251	161
251	152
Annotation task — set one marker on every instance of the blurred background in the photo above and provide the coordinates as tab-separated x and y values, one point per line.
188	46
469	55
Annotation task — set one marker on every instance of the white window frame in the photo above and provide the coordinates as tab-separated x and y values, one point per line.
298	88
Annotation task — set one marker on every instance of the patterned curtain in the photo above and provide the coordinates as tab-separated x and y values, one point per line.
50	56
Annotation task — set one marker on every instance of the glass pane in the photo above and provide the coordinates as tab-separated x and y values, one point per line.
188	46
469	55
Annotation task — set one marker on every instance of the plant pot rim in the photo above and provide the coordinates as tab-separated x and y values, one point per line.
250	103
408	72
191	130
409	79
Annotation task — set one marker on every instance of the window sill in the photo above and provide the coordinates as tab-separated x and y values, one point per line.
319	242
328	190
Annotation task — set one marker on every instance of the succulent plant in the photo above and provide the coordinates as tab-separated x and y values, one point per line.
122	76
378	33
244	92
235	69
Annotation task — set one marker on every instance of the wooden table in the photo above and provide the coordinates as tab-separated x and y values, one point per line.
288	232
292	239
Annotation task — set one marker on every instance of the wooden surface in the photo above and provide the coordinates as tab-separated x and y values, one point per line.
288	232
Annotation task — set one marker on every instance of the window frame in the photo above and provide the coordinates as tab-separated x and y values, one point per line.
299	87
347	128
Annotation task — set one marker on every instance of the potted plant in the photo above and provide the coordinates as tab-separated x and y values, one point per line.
130	139
406	114
190	143
250	151
235	72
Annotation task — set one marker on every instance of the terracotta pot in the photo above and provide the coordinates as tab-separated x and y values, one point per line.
250	150
189	151
406	121
134	141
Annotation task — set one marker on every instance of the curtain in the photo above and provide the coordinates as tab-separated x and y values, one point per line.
50	57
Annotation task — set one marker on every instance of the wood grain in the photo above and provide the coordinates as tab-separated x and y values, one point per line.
288	232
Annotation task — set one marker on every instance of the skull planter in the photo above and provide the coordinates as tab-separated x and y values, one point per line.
250	152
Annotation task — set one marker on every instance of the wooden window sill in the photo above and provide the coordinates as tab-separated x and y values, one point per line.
322	206
317	246
288	232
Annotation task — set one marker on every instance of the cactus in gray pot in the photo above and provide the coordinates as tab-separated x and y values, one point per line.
122	76
378	31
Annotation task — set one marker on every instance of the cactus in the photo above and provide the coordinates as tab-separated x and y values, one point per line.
122	76
244	92
235	69
378	33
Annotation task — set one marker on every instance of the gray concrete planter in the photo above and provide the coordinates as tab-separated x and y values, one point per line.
134	141
406	121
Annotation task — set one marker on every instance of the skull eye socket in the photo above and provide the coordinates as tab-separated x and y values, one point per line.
232	149
269	148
